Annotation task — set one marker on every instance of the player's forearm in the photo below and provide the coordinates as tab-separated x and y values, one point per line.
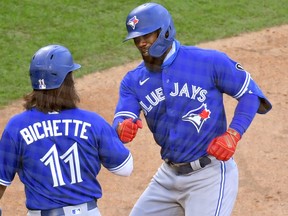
2	190
245	112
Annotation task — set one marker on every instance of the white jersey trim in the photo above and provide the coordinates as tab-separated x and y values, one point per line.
126	114
244	87
171	52
124	169
5	183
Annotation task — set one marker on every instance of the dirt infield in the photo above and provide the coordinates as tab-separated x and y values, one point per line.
261	154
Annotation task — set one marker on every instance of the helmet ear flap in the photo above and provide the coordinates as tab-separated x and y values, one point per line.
164	40
159	47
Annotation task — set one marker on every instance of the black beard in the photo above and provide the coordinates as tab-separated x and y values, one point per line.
153	64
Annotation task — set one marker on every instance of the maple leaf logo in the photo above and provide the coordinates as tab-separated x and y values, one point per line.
133	22
205	114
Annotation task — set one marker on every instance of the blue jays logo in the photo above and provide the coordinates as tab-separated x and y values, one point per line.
197	116
132	22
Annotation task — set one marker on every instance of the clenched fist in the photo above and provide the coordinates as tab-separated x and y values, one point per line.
224	146
128	128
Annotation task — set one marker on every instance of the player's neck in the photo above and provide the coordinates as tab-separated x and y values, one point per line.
154	64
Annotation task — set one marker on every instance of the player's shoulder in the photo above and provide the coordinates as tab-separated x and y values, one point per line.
29	116
18	120
196	52
138	69
135	74
200	50
19	117
83	113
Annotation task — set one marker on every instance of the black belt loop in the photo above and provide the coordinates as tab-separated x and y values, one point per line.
204	161
186	168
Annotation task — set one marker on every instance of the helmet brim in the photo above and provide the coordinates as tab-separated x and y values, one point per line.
132	35
76	67
140	32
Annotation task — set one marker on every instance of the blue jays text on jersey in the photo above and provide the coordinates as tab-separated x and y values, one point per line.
58	155
183	104
192	92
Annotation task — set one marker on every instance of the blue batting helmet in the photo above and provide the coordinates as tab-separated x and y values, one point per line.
49	67
148	18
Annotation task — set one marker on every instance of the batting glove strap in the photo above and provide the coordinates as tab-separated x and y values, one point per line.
127	130
223	147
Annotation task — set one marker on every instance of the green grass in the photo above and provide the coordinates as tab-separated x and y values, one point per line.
93	30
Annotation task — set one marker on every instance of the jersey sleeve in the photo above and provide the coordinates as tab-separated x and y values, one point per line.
128	105
124	169
231	78
112	152
9	159
265	105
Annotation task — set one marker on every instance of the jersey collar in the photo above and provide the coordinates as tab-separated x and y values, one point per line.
172	54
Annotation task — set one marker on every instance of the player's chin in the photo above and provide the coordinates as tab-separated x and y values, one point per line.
144	53
148	59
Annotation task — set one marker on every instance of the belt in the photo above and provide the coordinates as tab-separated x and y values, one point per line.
185	168
60	211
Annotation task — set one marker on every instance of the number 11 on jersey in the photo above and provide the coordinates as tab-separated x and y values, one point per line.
70	157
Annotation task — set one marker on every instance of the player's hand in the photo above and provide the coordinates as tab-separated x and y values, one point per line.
224	146
128	128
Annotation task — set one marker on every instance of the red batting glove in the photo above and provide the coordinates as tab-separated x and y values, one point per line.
128	128
224	146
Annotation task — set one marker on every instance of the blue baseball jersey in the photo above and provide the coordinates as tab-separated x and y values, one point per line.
183	104
58	156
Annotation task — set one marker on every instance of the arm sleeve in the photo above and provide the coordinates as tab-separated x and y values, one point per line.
124	169
128	105
232	79
265	105
245	112
9	159
113	153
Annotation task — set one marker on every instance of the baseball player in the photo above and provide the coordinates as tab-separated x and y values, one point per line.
56	148
180	91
